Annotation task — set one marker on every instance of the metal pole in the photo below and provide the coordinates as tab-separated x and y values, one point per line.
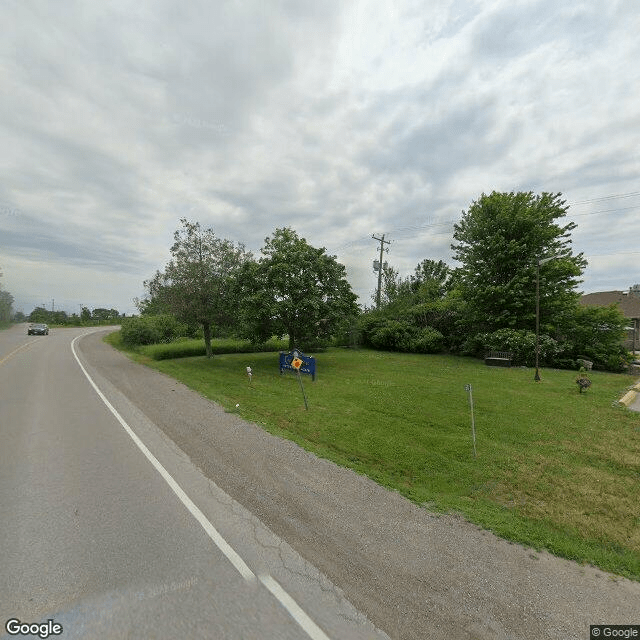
473	422
378	294
306	406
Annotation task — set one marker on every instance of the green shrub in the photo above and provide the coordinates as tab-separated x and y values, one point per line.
444	315
428	340
617	362
398	335
188	348
144	330
393	335
520	342
368	324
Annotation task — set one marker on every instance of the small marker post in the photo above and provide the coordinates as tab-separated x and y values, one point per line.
250	374
296	363
467	387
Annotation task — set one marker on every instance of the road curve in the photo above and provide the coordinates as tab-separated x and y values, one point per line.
110	531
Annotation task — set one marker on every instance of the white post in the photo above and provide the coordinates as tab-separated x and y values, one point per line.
473	423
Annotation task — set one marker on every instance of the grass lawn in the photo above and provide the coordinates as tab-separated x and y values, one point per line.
555	469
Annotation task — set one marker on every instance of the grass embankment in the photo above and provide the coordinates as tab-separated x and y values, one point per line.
555	469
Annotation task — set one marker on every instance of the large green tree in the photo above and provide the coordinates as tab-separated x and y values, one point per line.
199	284
6	304
295	289
430	281
499	241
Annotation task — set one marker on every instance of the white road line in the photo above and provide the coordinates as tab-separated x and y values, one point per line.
212	532
292	607
312	629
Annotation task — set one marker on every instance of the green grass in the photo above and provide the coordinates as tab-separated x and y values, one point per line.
555	469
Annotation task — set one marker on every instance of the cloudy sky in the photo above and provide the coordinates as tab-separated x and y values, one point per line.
341	119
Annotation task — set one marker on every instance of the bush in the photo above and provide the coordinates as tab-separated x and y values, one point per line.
520	342
393	335
190	348
151	330
368	324
428	340
617	362
596	334
445	316
399	335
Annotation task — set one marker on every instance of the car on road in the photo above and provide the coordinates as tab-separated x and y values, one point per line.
38	330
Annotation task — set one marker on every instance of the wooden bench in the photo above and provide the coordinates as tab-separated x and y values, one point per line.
498	358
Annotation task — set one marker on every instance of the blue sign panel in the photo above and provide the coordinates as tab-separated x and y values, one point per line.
296	361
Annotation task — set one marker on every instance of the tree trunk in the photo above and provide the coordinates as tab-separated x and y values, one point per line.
292	340
206	326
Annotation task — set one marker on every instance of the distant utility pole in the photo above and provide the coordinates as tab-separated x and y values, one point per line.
382	242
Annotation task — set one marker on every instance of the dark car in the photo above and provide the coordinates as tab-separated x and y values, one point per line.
38	330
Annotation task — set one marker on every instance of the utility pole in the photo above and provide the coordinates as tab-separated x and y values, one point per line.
382	242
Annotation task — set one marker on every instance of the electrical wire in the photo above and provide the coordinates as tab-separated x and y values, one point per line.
611	197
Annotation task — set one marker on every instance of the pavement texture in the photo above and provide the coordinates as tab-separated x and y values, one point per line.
107	541
414	574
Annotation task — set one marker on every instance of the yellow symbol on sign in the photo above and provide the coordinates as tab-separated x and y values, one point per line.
296	363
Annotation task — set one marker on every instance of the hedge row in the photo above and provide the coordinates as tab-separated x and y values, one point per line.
151	330
189	348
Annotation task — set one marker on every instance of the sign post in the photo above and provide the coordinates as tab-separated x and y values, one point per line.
296	363
467	387
299	363
307	363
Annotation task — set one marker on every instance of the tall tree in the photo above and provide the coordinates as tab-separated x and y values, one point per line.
431	280
295	289
395	291
198	284
499	241
6	304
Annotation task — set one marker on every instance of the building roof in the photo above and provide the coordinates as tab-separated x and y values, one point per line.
627	302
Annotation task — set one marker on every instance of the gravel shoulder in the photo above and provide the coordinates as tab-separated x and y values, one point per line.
414	574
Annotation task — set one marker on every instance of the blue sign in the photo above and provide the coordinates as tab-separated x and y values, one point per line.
296	361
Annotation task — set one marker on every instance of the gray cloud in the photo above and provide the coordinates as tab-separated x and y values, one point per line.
339	119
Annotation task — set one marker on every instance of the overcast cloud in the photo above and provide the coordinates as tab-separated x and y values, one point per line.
340	119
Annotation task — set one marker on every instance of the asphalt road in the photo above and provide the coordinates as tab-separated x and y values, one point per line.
99	540
108	529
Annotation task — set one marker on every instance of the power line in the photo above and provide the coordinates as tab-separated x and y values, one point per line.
413	228
617	253
611	197
591	213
